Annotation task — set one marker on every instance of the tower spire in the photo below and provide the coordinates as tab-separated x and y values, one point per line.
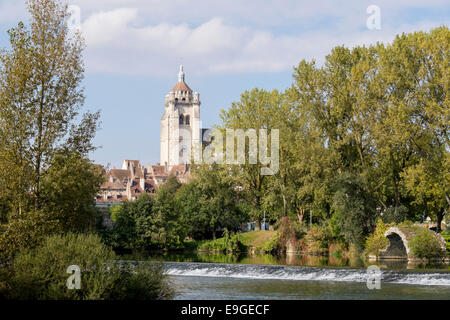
181	74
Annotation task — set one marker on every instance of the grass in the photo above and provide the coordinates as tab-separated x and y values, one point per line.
247	241
256	239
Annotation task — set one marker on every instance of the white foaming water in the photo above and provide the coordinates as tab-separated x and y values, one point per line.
276	272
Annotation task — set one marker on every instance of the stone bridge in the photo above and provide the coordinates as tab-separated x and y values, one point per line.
398	247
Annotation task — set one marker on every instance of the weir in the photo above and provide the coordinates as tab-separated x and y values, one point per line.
279	272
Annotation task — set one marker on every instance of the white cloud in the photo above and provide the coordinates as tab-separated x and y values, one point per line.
116	44
234	36
267	13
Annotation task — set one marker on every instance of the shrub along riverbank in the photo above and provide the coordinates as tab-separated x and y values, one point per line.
40	273
316	240
253	242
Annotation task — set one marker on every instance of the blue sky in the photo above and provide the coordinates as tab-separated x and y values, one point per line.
134	48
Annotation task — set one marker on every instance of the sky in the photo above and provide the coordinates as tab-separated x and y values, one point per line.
135	47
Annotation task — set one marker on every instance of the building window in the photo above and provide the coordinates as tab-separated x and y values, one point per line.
187	120
182	151
181	119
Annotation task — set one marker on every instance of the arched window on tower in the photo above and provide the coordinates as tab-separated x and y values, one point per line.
182	152
181	119
187	120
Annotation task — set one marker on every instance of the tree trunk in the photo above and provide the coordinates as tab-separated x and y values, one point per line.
440	216
301	215
257	225
39	148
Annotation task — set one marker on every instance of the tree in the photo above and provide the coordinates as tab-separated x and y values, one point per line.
254	111
171	185
68	190
40	99
210	203
47	185
422	64
354	214
146	223
167	228
362	135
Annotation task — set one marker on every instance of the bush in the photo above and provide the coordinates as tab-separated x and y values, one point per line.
426	245
26	232
446	235
143	282
274	245
40	274
225	244
377	241
316	240
338	250
287	230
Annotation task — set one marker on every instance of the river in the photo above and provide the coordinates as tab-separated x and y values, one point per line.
228	277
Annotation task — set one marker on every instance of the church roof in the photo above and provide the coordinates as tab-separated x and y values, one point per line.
181	86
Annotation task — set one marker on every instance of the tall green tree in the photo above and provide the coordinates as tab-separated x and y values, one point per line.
40	100
210	203
254	111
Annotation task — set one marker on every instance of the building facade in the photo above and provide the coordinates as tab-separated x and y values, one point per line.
180	124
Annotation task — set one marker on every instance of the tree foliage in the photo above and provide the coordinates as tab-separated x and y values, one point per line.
40	100
41	274
362	136
44	138
210	203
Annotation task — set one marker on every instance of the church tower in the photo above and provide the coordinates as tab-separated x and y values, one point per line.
180	124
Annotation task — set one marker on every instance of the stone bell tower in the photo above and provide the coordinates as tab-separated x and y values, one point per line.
180	124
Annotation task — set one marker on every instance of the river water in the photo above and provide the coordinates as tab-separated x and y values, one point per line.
228	277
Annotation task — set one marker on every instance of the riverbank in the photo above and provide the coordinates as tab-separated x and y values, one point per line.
256	247
404	241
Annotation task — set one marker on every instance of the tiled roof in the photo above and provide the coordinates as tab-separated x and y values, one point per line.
117	185
136	189
128	187
181	86
179	170
159	170
119	174
139	173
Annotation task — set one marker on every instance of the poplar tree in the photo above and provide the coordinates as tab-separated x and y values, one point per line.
40	100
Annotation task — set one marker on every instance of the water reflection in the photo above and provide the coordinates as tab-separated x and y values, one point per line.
289	259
